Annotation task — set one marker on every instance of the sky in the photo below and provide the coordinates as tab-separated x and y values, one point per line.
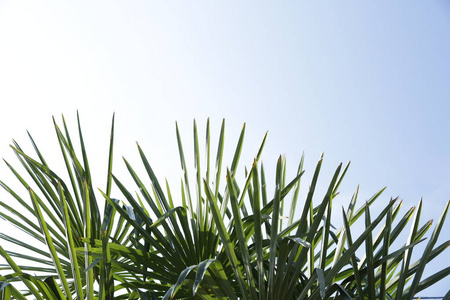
366	82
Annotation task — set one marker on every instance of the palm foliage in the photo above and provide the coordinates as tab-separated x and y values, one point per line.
227	240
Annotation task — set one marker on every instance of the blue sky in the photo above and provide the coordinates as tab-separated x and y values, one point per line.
361	81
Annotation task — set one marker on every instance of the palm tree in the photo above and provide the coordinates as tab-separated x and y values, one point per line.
227	241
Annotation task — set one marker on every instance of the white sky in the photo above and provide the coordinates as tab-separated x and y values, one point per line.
366	82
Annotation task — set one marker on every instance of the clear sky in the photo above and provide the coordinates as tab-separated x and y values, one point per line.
366	81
